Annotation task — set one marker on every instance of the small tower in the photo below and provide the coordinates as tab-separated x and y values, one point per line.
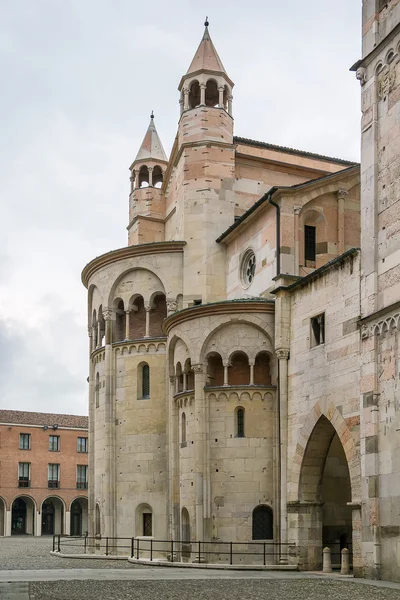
146	199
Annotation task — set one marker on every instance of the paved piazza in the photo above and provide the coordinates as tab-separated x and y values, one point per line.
28	571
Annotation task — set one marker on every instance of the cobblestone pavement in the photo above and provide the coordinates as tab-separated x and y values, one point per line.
238	589
25	552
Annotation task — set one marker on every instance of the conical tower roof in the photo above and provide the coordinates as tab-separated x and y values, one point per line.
151	147
206	58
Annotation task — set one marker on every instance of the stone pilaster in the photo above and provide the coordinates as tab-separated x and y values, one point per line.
109	508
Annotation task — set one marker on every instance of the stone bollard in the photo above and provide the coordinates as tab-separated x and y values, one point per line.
345	567
326	561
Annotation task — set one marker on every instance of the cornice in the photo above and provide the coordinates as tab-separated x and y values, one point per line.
129	252
242	306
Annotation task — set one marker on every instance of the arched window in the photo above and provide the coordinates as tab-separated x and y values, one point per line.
97	390
179	378
146	381
262	371
239	422
144	520
262	523
185	520
239	371
97	524
183	430
194	94
120	320
144	177
212	95
215	370
157	176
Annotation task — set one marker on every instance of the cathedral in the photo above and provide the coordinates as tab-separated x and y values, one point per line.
244	345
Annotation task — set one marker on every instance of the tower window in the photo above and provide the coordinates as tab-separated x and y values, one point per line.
147	524
317	330
262	523
145	381
309	242
194	94
183	430
240	423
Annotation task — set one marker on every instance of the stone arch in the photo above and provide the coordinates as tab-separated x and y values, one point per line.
3	512
215	369
53	520
156	284
23	520
144	525
144	176
177	349
194	94
79	516
332	415
212	94
158	176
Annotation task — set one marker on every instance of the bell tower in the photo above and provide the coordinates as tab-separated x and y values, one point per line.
206	168
146	199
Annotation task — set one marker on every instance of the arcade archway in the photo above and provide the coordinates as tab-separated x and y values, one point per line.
79	516
23	516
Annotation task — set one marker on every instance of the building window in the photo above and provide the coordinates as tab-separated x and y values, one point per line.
183	430
240	422
262	523
54	476
147	524
248	268
310	243
82	444
24	474
54	443
24	441
145	381
317	330
81	477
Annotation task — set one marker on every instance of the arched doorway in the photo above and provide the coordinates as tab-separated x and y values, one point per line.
23	516
79	516
324	517
52	516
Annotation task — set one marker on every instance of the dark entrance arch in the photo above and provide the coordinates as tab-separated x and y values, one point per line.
79	516
22	516
324	517
48	512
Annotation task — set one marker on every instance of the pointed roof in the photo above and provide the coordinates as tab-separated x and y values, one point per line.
206	58
151	146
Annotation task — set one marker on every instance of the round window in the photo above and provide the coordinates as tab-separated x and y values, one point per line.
248	268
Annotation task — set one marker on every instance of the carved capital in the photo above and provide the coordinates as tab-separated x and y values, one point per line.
171	307
107	314
150	169
297	210
365	331
282	354
342	194
203	86
172	379
361	75
147	308
198	368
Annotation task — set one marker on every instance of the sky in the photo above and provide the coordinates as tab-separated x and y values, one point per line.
80	79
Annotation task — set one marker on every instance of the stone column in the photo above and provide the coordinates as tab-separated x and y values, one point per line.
109	433
7	531
150	176
37	526
296	220
147	309
342	196
67	523
173	450
202	94
185	98
226	366
230	98
251	364
221	96
127	313
184	381
200	448
283	357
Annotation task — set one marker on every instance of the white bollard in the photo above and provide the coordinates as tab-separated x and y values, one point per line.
345	566
326	561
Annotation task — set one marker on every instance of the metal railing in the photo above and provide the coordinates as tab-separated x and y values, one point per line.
150	549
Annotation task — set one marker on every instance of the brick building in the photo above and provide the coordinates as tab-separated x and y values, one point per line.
43	473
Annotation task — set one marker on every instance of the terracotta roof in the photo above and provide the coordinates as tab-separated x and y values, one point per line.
21	417
206	57
151	146
287	150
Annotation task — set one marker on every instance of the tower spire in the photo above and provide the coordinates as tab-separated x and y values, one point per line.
151	147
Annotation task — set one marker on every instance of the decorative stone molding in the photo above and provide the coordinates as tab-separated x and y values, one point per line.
171	307
386	82
365	332
342	194
297	210
140	347
389	323
241	394
361	75
198	368
282	354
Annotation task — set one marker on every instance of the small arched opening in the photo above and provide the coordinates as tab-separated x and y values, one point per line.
262	523
185	522
144	176
157	176
101	327
120	320
97	524
239	371
157	315
143	379
144	520
179	378
137	318
239	422
94	330
212	95
215	370
183	429
262	369
194	94
189	375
